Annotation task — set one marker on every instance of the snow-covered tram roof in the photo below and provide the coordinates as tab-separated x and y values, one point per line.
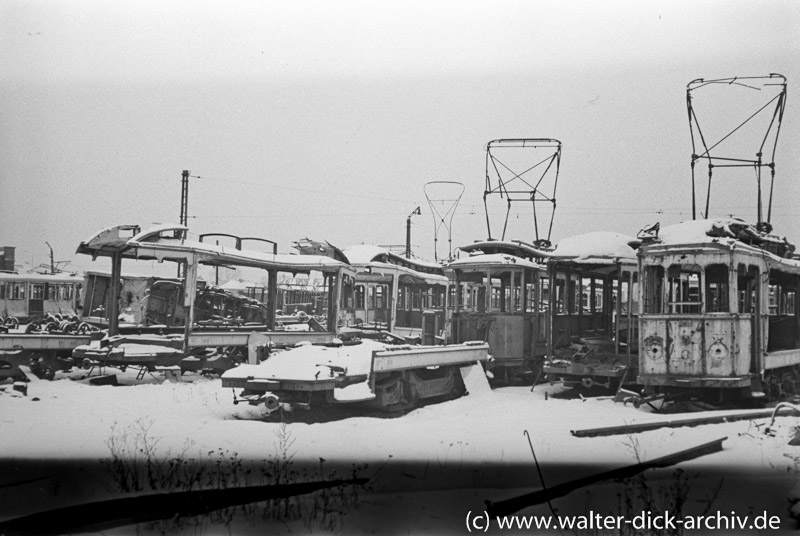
721	235
378	260
598	247
516	248
365	254
493	260
169	242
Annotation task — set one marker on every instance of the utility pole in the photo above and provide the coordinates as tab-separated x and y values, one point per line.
52	261
185	197
416	211
184	209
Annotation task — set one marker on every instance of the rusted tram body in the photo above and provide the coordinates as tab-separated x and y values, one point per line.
499	294
720	317
593	310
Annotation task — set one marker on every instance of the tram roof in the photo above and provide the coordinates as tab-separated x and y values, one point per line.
494	259
363	254
517	248
725	233
405	274
597	247
719	230
168	242
34	277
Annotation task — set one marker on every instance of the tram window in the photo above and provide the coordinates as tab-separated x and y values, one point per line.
359	297
782	294
52	291
17	291
684	293
377	296
3	291
746	285
438	298
575	291
597	296
773	299
530	303
716	288
634	296
544	294
402	293
37	291
653	282
496	298
427	299
560	293
788	302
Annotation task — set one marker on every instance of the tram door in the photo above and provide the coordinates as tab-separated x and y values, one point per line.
36	301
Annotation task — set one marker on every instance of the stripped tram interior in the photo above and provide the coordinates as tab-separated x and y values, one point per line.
593	310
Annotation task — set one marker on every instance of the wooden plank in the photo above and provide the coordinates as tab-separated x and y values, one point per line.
677	423
510	506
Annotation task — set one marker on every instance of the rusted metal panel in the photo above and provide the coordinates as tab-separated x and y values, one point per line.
707	347
652	358
685	346
721	348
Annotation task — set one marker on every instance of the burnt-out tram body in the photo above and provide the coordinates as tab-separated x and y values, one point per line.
720	314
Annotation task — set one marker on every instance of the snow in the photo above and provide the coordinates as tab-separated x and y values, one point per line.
693	232
309	362
494	259
363	253
598	244
428	468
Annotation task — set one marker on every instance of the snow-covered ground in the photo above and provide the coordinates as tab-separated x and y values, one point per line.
428	468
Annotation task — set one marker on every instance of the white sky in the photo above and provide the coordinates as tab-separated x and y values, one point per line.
326	119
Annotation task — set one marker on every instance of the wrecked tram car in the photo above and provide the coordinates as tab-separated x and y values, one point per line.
499	294
593	309
720	317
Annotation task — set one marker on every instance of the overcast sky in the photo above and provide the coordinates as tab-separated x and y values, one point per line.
327	119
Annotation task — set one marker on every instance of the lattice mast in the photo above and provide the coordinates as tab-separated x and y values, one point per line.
530	177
